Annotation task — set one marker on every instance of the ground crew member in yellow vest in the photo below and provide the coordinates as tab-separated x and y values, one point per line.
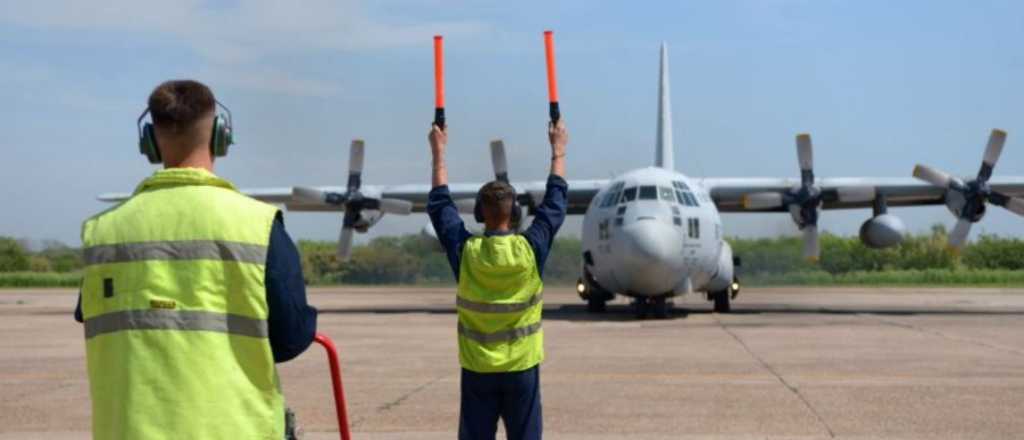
191	291
499	302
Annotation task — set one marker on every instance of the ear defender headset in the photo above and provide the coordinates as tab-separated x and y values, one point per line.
220	140
517	211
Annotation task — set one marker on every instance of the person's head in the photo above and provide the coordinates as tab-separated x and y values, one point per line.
182	112
496	201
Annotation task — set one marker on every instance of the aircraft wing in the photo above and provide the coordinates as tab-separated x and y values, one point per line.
530	194
734	194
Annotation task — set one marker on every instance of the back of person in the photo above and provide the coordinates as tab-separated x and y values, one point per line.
191	291
499	305
175	313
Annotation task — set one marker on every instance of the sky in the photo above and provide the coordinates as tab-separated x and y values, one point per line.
880	85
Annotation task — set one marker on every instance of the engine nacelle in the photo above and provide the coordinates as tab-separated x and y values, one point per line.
726	274
882	231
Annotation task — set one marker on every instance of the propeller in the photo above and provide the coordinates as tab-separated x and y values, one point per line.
804	201
353	200
499	162
968	199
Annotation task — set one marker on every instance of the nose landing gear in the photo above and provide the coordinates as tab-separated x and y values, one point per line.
657	306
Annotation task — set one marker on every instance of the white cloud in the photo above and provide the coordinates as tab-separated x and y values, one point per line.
236	38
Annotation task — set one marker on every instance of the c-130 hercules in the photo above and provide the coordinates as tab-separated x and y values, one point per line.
654	233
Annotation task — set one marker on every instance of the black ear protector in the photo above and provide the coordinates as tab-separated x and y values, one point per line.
220	140
517	211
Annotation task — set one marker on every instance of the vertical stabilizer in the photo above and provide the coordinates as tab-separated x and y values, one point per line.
663	155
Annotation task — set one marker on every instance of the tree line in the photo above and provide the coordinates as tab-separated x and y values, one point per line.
419	259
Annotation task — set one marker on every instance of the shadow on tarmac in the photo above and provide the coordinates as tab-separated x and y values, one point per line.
623	312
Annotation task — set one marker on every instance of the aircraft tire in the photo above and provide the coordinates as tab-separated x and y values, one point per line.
721	299
641	308
660	307
596	305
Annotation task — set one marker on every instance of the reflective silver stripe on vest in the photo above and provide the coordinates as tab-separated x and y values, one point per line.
502	336
185	320
483	307
176	250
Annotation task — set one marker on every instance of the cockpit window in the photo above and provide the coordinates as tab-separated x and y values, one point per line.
680	185
666	194
612	196
648	193
629	194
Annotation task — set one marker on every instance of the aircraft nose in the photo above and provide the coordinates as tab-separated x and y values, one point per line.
650	260
651	240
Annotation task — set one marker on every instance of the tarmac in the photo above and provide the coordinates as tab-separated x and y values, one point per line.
789	363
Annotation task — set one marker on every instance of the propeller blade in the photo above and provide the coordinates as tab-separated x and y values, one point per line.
499	161
764	200
396	206
1012	204
1016	206
856	194
995	147
355	164
933	176
812	246
465	206
805	155
958	236
345	244
309	195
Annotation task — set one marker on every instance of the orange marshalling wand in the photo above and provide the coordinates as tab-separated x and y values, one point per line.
549	51
439	81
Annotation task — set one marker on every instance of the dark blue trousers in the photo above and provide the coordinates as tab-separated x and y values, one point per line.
514	397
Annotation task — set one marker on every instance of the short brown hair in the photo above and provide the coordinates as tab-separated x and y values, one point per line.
177	105
496	199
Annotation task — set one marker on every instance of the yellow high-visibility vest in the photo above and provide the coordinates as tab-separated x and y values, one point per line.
499	305
175	313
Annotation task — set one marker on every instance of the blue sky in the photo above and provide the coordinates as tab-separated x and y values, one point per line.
880	85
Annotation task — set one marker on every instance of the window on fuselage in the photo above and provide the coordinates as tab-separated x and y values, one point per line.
648	193
691	199
666	194
629	194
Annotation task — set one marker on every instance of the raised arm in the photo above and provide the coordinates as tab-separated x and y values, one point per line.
444	215
438	141
559	138
550	214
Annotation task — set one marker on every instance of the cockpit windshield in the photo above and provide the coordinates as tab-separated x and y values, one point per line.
648	192
629	194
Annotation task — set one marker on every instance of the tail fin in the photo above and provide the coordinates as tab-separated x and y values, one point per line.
663	155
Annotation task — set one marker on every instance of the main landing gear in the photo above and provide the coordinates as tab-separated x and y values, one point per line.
596	297
723	298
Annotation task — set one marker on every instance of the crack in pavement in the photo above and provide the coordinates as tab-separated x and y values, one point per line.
387	406
793	389
394	403
928	331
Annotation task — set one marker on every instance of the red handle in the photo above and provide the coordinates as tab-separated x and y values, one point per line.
339	390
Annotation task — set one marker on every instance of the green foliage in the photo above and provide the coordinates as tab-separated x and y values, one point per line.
419	259
413	259
38	279
13	257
